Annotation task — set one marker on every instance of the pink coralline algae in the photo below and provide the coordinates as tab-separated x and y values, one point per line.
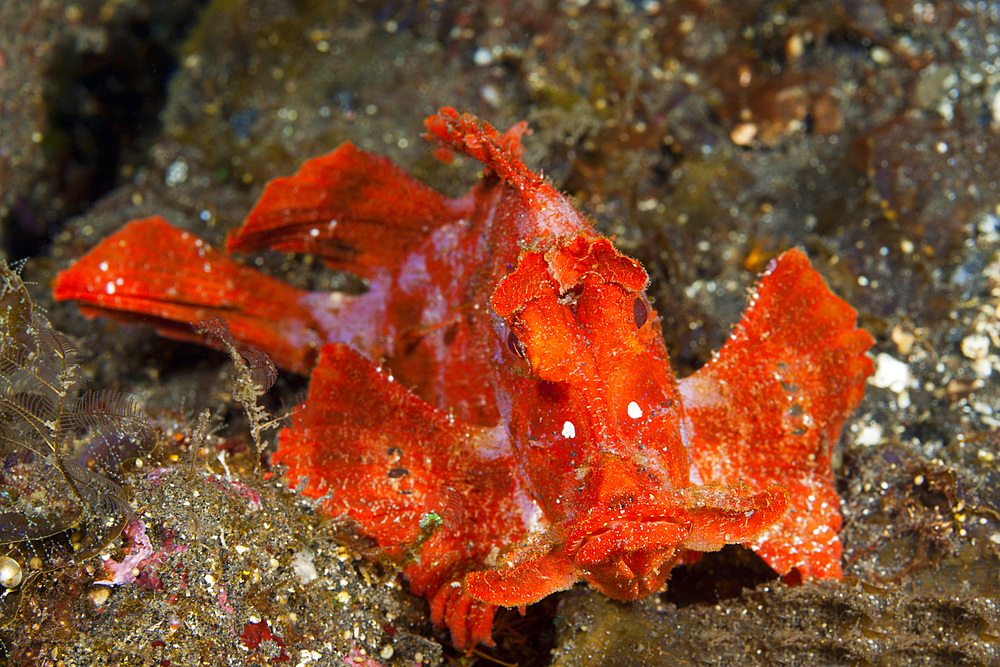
140	559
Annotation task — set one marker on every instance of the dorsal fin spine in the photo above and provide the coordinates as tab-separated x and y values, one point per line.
500	153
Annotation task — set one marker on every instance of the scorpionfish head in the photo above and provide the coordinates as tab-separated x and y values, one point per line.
598	418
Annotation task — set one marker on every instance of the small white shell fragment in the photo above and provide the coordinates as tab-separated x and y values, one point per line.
890	373
10	572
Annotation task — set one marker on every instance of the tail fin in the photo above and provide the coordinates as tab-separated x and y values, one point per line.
771	406
151	272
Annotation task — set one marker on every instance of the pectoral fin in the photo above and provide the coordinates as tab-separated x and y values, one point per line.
526	576
436	493
772	404
731	514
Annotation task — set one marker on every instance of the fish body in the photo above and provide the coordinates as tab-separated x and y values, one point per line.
498	410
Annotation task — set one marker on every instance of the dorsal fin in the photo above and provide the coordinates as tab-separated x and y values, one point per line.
500	153
359	212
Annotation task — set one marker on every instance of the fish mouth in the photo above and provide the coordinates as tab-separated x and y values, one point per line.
623	536
629	559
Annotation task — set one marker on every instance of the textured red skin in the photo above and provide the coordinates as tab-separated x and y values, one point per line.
495	411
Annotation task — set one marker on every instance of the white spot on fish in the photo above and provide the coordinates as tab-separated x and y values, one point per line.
569	431
634	411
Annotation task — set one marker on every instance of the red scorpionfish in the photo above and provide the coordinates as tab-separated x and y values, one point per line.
498	410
